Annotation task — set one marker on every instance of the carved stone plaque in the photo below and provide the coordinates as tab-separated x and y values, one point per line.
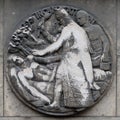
59	60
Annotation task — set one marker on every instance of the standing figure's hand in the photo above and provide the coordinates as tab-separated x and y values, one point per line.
102	57
30	57
105	57
38	52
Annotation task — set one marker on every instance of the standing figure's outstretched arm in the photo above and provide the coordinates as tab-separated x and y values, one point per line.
56	45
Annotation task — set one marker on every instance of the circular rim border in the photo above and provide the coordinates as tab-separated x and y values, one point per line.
58	114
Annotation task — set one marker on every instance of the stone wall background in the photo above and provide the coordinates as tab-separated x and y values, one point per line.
107	11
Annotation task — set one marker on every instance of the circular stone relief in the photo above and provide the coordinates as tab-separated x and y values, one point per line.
59	60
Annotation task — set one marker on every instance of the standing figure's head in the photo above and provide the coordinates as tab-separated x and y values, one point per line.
62	16
82	17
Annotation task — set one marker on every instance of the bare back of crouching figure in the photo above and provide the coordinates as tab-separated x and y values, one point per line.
74	75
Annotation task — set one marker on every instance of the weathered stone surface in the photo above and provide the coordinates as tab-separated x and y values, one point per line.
118	28
14	107
1	58
52	118
118	86
105	107
105	11
118	60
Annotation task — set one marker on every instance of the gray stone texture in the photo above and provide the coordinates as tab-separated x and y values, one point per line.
51	118
118	28
1	58
118	57
105	11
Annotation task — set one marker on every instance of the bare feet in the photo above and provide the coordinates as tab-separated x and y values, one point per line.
55	105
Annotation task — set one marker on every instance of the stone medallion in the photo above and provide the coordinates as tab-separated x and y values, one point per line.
59	60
